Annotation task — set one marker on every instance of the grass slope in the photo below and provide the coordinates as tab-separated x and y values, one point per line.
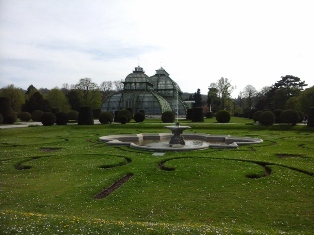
51	175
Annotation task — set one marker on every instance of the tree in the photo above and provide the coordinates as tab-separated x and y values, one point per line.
75	99
289	86
36	102
57	99
213	101
16	96
91	93
106	89
225	89
197	97
249	93
306	100
118	85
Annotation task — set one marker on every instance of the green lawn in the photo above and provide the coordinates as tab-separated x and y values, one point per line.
51	175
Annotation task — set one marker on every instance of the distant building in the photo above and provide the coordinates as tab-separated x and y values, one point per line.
154	95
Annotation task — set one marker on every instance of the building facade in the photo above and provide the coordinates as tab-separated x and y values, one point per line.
154	95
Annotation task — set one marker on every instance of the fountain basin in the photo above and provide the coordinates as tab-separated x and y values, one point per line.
160	141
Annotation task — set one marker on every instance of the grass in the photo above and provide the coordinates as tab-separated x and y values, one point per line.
50	176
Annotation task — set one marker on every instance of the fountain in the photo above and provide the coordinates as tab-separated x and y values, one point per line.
177	131
177	141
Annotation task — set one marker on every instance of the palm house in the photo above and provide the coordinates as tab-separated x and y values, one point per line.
153	95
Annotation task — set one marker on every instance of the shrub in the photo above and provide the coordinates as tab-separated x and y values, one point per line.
1	118
36	115
310	118
189	114
73	115
85	116
167	117
61	118
198	115
139	117
223	116
251	113
105	117
131	111
301	116
96	113
5	106
123	119
25	116
210	115
124	112
9	119
48	119
267	118
54	110
256	116
277	113
290	116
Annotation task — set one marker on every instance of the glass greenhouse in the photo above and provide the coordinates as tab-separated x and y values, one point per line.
154	95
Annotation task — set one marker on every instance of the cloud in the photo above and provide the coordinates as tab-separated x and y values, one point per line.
48	43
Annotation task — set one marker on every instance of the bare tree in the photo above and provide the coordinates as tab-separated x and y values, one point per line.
91	93
118	85
249	92
106	88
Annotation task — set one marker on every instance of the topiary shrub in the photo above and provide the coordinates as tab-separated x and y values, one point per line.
36	115
290	116
124	112
277	113
123	119
139	117
5	106
55	110
198	115
61	118
73	115
210	115
9	119
167	117
105	117
267	118
189	114
310	118
96	113
223	116
256	116
1	118
48	119
25	116
131	111
85	116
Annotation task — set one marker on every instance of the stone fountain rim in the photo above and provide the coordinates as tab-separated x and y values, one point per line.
129	139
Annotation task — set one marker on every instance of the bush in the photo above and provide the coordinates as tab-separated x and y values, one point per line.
277	113
124	112
267	118
48	119
198	115
9	119
85	116
223	116
301	116
290	116
123	119
105	117
310	118
1	118
73	115
55	110
61	118
189	114
5	106
210	115
139	117
25	116
256	116
36	115
251	113
167	117
96	113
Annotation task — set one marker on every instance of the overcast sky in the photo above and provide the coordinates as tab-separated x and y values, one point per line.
47	43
